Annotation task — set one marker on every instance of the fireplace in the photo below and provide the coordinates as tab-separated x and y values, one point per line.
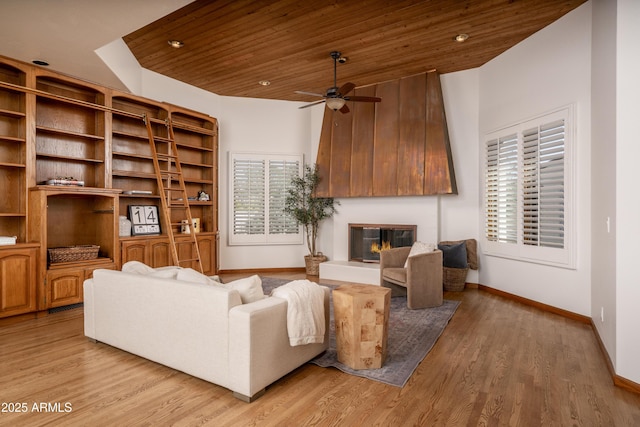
366	241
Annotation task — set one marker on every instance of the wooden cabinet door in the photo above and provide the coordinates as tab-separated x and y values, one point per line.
64	287
185	251
160	251
17	281
207	245
135	251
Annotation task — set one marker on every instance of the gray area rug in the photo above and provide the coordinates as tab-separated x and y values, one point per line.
412	334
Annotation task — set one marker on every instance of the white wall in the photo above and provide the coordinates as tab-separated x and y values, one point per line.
627	200
117	56
547	70
458	216
165	89
603	145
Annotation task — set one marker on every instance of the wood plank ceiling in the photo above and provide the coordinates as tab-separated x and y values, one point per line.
232	45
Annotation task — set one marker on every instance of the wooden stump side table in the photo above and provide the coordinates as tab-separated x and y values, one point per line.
361	317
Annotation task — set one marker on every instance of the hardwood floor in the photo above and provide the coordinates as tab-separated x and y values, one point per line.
498	363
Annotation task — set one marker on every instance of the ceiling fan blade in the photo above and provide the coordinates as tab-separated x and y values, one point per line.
363	98
312	104
344	109
346	88
301	92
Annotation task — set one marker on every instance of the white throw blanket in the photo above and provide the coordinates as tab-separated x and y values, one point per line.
305	311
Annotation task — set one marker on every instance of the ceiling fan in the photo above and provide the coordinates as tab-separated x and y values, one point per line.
336	97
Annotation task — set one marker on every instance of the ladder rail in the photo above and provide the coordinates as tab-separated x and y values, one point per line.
185	198
172	161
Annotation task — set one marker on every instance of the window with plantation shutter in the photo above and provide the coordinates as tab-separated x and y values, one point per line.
259	185
528	190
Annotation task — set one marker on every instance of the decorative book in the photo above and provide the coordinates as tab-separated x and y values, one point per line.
7	240
65	181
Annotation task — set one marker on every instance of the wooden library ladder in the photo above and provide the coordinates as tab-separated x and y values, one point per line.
173	198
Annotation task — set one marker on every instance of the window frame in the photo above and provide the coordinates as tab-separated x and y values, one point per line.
265	238
561	257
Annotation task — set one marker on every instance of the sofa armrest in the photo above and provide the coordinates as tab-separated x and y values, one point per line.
259	349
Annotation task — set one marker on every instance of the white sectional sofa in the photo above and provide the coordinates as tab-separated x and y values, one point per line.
202	330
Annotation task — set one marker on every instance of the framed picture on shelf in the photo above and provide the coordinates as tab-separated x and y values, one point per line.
144	220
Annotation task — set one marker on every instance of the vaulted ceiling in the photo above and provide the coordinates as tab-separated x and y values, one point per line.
232	45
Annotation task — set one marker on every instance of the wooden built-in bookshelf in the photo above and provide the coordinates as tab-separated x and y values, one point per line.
54	126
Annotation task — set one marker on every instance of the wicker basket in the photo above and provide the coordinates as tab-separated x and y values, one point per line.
73	253
454	279
312	264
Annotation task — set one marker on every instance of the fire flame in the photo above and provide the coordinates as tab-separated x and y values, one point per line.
376	248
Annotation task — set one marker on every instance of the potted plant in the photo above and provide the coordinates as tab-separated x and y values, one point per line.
309	210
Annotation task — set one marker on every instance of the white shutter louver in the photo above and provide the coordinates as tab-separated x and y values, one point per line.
248	196
501	189
280	174
543	185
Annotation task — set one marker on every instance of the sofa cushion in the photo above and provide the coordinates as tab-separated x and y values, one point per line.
454	256
419	248
250	288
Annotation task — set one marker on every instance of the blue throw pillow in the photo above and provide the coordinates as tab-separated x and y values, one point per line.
454	256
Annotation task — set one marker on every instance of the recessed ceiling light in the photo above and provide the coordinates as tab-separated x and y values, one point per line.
264	82
175	43
461	37
40	62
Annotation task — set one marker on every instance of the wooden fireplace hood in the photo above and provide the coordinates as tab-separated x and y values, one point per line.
397	147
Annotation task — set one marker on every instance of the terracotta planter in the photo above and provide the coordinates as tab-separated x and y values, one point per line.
312	264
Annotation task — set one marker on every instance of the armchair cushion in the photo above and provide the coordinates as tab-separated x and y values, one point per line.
396	275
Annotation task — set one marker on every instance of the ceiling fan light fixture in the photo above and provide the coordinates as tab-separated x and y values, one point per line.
335	103
461	37
177	44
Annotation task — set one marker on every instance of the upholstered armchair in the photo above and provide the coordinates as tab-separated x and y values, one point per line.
420	280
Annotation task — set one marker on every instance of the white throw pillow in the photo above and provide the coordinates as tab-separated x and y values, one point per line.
250	288
419	248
